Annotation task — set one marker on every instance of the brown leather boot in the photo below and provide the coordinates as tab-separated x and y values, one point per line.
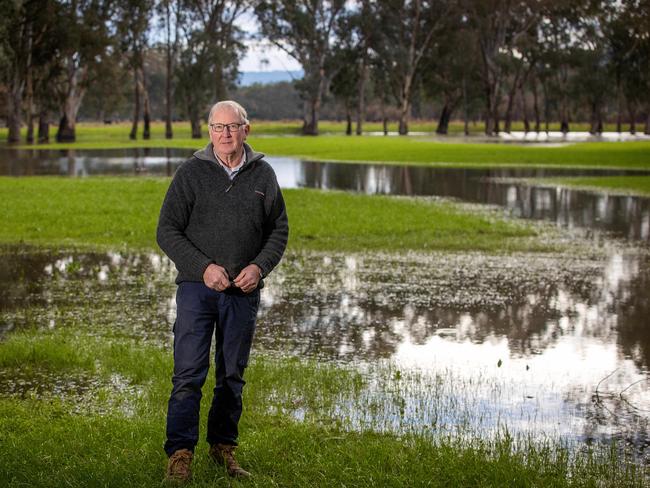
178	467
224	455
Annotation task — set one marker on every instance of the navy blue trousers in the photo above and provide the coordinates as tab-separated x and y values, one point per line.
202	313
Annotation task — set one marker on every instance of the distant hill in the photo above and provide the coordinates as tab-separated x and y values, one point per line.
248	78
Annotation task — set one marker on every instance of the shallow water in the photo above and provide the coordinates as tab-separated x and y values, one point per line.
550	346
586	213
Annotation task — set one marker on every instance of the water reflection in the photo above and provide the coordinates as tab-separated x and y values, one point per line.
548	345
73	162
587	213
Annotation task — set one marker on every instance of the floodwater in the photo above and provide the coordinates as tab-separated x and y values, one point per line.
587	213
550	346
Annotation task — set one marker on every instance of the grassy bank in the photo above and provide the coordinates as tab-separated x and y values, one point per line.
181	130
123	212
624	185
393	150
110	432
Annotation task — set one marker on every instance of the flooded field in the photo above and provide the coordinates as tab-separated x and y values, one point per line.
586	213
551	347
547	347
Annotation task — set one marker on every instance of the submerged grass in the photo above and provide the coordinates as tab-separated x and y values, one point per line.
392	150
57	441
123	212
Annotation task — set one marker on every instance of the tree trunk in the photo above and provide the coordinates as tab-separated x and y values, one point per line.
29	104
564	117
646	130
465	108
564	125
146	113
348	119
168	78
76	78
524	110
405	112
29	138
491	109
133	135
538	123
43	127
511	101
507	126
596	125
310	123
361	97
67	127
195	120
547	107
66	131
592	120
631	108
619	104
443	121
14	101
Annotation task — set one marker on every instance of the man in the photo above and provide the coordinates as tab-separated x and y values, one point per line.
224	225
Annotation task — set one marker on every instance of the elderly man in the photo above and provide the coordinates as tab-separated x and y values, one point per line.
224	225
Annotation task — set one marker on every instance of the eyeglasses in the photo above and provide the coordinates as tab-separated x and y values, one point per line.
231	127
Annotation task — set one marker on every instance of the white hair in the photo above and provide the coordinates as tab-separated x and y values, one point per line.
237	108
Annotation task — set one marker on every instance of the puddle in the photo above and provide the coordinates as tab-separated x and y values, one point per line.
553	346
588	214
86	393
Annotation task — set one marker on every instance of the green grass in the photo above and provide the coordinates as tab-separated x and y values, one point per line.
110	212
628	185
393	150
93	131
111	436
413	150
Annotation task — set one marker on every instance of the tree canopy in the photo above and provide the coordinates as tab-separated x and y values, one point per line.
492	61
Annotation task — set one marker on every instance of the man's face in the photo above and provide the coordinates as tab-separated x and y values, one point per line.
228	143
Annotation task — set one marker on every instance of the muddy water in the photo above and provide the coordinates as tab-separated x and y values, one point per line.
550	346
586	213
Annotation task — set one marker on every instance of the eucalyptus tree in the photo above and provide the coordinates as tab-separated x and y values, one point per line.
26	32
406	31
305	30
44	69
345	84
594	78
499	24
626	28
210	53
133	29
168	11
564	31
86	47
364	31
14	56
448	71
356	31
518	63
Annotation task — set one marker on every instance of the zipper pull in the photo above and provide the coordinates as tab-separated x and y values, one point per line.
228	189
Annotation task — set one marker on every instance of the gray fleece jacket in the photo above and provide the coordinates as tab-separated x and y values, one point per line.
207	218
